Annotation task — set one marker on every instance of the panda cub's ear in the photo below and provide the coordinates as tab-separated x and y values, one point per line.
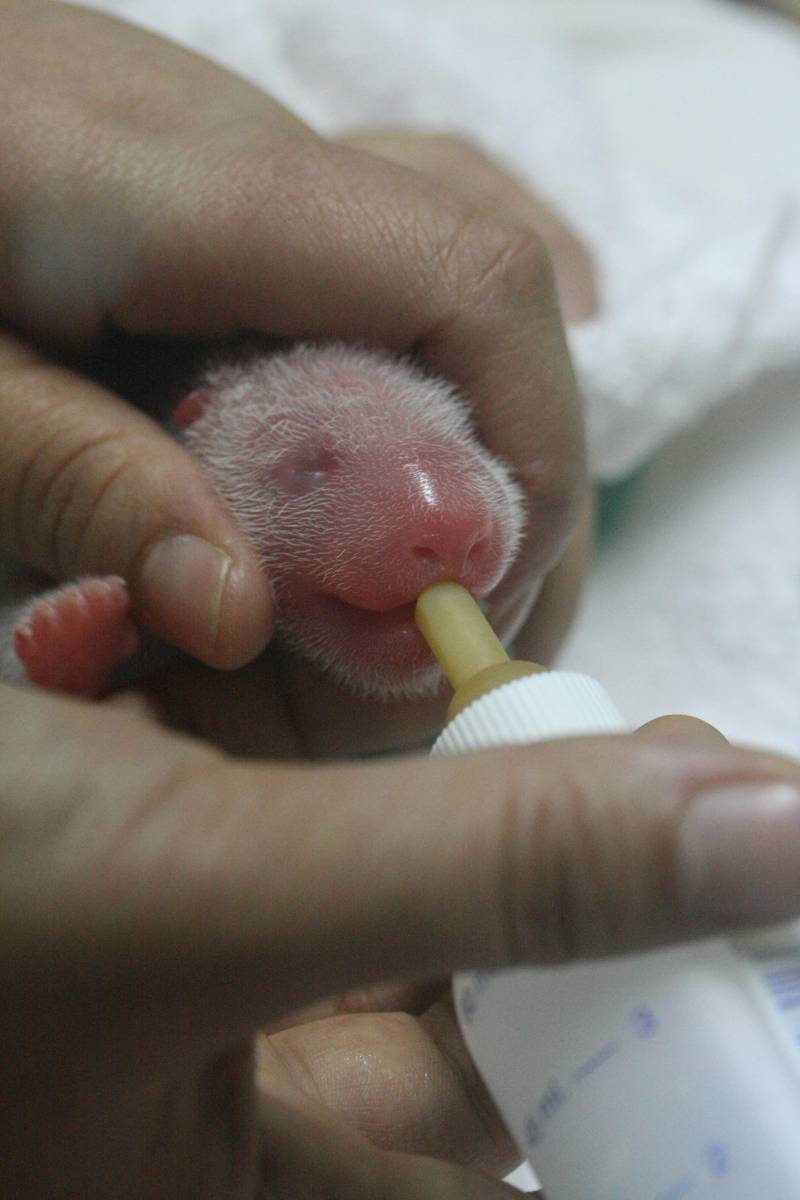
191	407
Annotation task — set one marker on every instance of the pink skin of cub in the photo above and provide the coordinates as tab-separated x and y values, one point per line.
359	481
71	640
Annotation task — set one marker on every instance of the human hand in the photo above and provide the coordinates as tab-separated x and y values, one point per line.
159	903
460	165
154	194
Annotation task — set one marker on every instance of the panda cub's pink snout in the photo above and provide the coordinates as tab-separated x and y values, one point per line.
422	519
360	481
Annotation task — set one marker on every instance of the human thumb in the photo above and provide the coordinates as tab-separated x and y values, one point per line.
257	889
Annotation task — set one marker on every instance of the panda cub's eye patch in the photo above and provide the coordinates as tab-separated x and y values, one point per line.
306	469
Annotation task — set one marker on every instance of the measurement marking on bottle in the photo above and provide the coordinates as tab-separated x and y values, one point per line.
470	995
784	984
468	1004
551	1100
719	1159
781	983
595	1061
679	1189
783	977
644	1021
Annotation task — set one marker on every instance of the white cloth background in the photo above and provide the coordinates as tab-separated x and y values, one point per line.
667	133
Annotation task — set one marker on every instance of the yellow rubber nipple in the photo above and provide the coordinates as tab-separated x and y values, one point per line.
464	644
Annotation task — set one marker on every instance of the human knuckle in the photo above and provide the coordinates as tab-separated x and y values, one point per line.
173	808
557	902
523	265
188	779
59	466
482	258
512	266
73	488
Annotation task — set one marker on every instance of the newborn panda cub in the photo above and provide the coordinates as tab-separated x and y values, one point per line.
359	481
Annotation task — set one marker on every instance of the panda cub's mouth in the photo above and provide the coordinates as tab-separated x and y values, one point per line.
374	617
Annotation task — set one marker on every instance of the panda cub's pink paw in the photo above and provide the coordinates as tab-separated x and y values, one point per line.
72	639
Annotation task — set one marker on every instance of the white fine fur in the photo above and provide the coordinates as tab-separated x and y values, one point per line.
18	586
265	407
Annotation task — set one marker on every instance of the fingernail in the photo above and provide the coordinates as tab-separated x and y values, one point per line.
181	587
739	852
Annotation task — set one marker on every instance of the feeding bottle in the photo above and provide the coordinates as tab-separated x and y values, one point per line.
652	1077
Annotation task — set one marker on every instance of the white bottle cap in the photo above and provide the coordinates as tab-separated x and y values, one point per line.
535	708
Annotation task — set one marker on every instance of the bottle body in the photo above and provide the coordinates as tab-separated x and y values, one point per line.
652	1077
657	1077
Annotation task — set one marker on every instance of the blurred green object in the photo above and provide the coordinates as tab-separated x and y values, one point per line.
613	503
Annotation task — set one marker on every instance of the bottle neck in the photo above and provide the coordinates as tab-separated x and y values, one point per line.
491	677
